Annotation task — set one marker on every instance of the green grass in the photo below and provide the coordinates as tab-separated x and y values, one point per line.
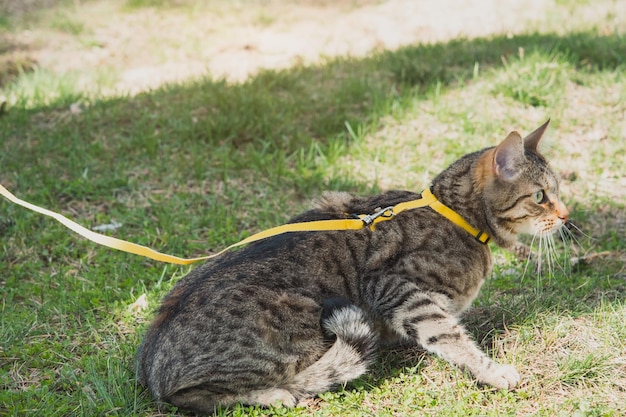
191	167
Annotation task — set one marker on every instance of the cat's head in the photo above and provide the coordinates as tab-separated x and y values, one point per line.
520	189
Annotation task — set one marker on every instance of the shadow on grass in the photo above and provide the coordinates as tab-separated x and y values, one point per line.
14	61
206	128
286	109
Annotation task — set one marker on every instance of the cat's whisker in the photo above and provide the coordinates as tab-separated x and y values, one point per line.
549	248
539	254
554	255
545	238
566	239
571	225
563	234
548	253
571	237
554	252
530	256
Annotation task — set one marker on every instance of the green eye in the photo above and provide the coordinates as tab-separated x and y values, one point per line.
539	197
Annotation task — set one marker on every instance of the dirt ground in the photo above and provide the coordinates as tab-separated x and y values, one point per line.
141	48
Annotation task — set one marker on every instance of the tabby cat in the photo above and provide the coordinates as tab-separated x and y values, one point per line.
293	315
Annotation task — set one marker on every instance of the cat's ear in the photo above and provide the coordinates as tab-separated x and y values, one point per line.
507	157
532	140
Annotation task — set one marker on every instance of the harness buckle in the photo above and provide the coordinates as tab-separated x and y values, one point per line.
387	212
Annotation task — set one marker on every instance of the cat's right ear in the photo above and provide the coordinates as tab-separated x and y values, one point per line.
507	157
532	140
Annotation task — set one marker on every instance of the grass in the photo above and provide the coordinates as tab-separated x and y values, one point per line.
191	167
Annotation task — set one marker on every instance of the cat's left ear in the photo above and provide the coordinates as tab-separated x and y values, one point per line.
508	156
532	140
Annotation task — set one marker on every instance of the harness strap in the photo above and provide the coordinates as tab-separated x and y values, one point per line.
362	220
455	217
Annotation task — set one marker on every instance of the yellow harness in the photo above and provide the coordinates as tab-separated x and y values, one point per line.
360	221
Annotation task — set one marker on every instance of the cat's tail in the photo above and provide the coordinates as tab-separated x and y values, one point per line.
349	356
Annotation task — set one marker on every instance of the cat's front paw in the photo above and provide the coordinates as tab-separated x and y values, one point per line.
523	252
502	376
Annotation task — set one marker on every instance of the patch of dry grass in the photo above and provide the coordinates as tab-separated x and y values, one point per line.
149	44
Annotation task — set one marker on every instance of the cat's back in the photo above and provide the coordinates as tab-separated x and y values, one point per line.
317	264
312	264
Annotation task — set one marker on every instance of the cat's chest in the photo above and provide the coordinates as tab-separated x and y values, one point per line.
463	301
470	281
457	271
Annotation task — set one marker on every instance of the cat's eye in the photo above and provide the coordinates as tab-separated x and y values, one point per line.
540	197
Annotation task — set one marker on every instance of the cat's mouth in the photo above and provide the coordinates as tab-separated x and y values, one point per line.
556	221
553	226
546	254
542	228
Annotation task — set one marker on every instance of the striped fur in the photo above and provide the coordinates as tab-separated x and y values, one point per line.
292	316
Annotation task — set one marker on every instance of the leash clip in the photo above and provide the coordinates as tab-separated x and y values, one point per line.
387	212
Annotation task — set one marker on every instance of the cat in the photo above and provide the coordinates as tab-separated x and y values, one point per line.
294	315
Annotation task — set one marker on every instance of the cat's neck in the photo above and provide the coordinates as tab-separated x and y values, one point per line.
461	186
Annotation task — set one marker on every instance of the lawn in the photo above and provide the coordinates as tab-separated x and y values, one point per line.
190	166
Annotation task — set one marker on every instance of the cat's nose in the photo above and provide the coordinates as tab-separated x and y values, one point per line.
562	211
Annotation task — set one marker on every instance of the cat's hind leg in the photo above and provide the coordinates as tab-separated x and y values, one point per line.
349	356
353	344
201	400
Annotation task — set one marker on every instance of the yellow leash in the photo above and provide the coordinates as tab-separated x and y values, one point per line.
362	220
